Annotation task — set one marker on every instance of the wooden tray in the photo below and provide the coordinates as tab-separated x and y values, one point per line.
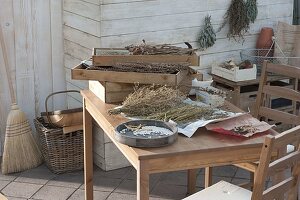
80	73
99	58
142	141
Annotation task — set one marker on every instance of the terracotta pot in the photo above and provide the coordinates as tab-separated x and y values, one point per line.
264	40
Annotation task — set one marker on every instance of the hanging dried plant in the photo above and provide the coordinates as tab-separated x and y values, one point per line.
251	6
239	16
207	36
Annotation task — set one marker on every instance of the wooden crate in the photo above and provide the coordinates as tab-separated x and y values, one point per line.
235	74
109	60
111	92
105	153
80	73
248	93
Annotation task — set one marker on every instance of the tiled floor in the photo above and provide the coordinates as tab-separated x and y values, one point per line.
40	183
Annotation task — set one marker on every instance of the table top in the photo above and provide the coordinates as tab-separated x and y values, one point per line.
202	141
245	83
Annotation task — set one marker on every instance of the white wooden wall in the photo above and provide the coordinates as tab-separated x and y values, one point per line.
117	23
34	41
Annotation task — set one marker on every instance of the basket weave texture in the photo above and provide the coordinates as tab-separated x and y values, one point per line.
62	152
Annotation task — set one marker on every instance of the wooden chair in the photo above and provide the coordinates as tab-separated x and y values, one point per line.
2	197
287	186
263	108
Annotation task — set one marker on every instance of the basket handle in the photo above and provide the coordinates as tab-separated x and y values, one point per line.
46	104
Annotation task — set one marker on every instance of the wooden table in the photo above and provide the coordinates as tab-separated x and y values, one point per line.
242	99
204	149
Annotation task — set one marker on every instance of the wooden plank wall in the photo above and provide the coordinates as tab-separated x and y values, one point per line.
117	23
34	40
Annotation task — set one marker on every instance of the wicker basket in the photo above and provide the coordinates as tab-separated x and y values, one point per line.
70	120
62	152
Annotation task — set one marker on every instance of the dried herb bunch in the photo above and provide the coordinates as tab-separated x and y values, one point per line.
239	16
207	36
185	113
147	100
164	103
244	129
152	67
162	49
143	67
251	6
212	91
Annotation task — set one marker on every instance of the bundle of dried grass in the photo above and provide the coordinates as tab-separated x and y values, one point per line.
143	67
237	19
149	100
187	113
152	67
164	103
163	49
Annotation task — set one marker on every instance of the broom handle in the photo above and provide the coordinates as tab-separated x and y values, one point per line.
6	66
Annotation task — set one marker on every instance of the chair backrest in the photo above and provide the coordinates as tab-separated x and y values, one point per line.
267	168
265	91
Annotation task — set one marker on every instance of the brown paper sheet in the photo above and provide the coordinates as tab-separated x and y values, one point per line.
228	126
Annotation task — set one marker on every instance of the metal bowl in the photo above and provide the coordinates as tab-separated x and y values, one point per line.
143	141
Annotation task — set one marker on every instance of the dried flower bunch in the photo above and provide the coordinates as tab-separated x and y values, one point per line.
163	49
244	129
167	68
207	36
213	91
230	64
239	16
164	103
188	113
147	100
251	10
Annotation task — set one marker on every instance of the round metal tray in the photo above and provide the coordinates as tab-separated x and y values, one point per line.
141	141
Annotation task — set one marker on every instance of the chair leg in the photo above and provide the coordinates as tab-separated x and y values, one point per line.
208	177
251	180
192	178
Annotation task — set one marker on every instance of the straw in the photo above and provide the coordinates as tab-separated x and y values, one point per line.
20	149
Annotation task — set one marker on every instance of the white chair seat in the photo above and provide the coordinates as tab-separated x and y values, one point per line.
221	191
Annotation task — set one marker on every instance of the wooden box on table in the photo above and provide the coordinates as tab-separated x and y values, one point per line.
235	74
102	57
113	87
110	92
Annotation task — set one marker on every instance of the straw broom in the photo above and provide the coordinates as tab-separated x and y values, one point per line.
20	149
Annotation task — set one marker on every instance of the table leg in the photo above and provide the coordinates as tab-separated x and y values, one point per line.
142	181
192	177
236	96
208	177
88	153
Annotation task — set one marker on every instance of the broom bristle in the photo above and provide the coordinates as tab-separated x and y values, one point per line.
20	149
